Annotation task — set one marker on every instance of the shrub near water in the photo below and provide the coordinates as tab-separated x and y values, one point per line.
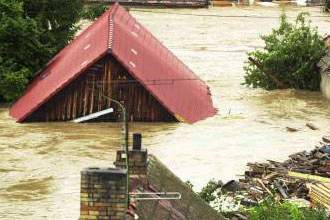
94	11
291	54
273	210
327	5
31	32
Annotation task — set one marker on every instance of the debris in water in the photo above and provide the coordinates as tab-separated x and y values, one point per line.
326	139
297	178
290	129
312	126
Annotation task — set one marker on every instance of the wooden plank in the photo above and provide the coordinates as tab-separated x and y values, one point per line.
91	106
99	88
86	90
68	105
75	102
110	84
309	177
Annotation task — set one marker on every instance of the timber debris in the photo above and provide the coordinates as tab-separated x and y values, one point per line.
282	179
312	126
305	176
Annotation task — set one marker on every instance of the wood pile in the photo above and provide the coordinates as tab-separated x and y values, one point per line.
285	180
320	194
303	178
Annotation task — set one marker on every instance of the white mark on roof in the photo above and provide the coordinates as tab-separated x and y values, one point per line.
132	64
134	34
87	46
45	74
134	51
137	26
87	35
84	63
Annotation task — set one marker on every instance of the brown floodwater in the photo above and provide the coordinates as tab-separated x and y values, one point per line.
40	163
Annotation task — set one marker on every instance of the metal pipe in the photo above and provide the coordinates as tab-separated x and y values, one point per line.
156	195
125	128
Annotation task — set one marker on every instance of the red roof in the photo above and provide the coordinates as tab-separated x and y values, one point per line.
182	92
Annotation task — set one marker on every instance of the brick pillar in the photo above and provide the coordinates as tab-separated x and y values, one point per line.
103	194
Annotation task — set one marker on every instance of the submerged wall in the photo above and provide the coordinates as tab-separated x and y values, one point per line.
324	65
86	95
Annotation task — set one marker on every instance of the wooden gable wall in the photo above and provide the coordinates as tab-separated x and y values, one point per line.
83	96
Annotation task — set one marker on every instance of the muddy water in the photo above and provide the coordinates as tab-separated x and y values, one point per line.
40	163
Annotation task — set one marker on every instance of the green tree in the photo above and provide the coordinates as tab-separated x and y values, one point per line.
31	32
21	49
94	11
57	18
289	58
327	5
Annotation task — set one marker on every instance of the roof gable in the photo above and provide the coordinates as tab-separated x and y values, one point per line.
183	93
178	89
76	57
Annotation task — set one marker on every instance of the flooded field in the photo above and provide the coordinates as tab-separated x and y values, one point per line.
40	163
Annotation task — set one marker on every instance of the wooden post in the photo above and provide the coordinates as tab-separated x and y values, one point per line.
92	95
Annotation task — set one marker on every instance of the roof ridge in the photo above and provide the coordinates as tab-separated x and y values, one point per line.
112	11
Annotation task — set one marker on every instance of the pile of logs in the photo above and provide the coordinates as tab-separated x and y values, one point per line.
304	178
283	180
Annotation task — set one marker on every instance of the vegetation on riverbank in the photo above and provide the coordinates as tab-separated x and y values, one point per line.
31	33
289	59
327	5
269	209
94	11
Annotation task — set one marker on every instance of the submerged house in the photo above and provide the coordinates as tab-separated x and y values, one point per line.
116	57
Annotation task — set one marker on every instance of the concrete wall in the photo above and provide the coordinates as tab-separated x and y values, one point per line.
325	85
324	65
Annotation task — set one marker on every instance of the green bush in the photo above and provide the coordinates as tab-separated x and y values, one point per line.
57	19
207	192
327	5
21	49
289	58
273	210
31	32
94	11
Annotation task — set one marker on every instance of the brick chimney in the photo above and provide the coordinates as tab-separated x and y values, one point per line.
103	194
138	158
